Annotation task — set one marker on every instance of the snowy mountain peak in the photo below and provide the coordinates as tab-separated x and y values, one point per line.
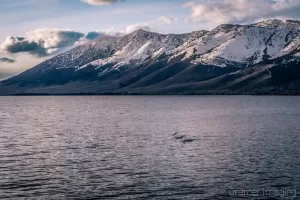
271	22
226	27
140	31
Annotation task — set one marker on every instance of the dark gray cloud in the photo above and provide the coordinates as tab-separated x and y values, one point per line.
6	60
16	45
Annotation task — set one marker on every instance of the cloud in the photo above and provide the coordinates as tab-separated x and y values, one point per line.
6	60
54	38
42	42
99	2
134	27
93	35
242	11
18	44
167	20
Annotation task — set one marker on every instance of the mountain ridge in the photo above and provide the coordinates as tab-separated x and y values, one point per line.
260	58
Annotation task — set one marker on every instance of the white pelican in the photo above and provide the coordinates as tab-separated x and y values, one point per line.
178	137
182	138
186	139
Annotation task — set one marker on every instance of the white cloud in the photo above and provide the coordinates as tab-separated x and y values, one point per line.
167	20
113	32
42	42
134	27
229	11
99	2
54	38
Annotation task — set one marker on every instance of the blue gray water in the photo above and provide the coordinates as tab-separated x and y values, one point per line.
115	147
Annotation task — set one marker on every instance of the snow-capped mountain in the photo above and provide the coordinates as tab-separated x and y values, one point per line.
231	58
251	43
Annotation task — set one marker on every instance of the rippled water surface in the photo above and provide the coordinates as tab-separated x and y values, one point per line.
115	147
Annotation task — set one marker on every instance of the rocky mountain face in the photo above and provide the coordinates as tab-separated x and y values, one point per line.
261	58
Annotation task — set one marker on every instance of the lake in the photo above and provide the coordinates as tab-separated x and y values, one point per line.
122	147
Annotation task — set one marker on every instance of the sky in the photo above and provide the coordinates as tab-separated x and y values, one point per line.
35	30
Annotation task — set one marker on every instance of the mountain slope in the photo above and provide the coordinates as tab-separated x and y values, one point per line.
231	59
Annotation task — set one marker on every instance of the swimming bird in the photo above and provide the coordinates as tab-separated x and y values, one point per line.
186	139
178	137
182	138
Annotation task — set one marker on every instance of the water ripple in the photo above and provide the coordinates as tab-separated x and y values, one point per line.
122	147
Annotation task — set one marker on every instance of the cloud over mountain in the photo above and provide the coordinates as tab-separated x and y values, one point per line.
229	11
134	27
20	44
43	42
